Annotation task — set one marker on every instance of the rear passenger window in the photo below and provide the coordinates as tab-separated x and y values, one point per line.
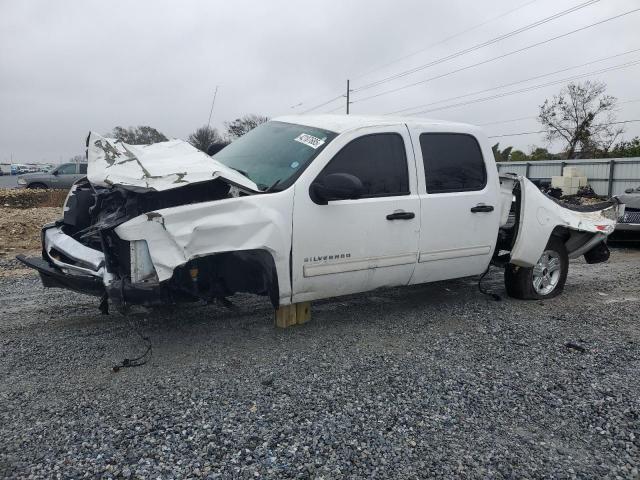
378	160
67	169
452	162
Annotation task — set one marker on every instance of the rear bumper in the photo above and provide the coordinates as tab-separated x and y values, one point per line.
628	227
629	220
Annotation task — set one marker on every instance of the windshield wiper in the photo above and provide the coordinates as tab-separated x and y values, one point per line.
271	188
242	172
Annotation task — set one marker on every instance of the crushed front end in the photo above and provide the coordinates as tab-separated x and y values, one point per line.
82	252
100	245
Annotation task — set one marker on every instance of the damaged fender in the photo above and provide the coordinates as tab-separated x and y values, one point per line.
179	234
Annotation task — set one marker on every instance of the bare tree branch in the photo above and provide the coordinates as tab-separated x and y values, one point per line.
576	116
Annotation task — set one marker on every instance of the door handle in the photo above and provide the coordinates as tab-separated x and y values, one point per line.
401	216
482	208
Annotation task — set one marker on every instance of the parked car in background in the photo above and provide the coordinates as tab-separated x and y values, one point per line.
628	226
61	177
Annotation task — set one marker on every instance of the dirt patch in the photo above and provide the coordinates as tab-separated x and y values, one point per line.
25	198
20	228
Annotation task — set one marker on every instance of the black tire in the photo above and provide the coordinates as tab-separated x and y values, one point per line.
37	186
519	280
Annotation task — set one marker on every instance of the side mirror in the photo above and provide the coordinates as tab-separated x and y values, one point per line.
55	172
336	186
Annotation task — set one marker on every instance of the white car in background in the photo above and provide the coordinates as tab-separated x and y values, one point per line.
628	227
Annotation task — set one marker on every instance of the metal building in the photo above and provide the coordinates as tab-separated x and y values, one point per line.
607	176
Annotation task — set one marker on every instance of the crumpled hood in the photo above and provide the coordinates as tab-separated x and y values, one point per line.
159	166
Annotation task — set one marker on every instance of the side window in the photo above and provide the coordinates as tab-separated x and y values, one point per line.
67	169
453	162
379	160
83	168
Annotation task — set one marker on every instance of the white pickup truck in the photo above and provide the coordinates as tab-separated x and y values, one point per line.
310	207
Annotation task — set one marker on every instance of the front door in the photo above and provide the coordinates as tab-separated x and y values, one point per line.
65	176
349	246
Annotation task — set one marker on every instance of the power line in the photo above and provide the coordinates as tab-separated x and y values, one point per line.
519	50
519	81
420	51
445	40
506	121
470	49
530	88
323	104
545	131
513	52
501	121
478	46
335	109
535	116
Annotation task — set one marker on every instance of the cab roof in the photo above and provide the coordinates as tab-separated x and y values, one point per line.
343	123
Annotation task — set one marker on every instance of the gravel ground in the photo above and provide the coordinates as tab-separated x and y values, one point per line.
428	381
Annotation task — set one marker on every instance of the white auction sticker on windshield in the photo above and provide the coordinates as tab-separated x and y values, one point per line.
309	140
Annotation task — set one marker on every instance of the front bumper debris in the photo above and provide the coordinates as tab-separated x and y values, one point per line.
67	253
54	277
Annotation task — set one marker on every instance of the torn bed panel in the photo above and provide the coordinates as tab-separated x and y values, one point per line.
541	215
160	166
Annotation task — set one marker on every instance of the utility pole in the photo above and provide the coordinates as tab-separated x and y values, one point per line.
212	104
348	90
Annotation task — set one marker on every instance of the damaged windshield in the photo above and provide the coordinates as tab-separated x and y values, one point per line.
274	154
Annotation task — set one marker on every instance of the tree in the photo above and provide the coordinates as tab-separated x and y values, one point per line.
203	137
242	125
629	148
140	135
581	117
519	156
77	159
539	153
501	156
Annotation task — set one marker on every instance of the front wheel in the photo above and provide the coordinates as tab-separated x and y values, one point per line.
544	280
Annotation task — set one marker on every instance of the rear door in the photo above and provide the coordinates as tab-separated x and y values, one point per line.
459	213
350	246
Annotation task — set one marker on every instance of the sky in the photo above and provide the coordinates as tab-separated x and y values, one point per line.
70	67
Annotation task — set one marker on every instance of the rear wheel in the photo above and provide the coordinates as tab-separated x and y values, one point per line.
544	280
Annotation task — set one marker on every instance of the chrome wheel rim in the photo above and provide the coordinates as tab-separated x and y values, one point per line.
546	273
